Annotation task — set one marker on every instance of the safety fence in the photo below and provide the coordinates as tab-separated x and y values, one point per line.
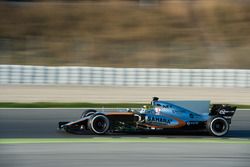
104	76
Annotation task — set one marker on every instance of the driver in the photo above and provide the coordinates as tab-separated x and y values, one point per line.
144	109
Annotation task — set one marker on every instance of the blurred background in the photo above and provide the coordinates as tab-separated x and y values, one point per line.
57	53
126	33
198	44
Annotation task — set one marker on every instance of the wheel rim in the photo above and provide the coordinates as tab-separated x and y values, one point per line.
100	124
219	126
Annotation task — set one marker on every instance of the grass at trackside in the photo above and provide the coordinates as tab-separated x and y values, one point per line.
243	106
122	140
80	105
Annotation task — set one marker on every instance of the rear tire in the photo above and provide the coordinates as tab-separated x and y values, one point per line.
99	124
218	126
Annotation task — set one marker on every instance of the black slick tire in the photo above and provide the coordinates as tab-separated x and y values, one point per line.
99	124
217	126
88	113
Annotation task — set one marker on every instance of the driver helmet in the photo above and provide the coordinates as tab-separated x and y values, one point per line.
144	108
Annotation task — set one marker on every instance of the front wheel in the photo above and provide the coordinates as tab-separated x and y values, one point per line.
217	126
99	124
88	113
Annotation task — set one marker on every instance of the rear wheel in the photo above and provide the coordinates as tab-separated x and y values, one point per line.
218	126
99	124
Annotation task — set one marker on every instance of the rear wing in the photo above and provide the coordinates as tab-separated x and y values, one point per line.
223	110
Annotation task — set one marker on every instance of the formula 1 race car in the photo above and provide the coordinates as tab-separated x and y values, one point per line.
159	116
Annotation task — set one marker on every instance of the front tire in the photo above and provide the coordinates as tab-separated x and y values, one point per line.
218	126
88	113
99	124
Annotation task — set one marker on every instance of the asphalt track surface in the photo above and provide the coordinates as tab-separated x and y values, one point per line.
40	123
125	154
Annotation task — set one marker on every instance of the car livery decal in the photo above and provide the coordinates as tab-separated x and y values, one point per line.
160	121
